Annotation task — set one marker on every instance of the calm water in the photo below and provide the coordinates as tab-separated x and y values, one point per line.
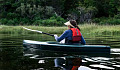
14	57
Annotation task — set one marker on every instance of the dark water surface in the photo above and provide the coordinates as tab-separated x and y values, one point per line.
14	57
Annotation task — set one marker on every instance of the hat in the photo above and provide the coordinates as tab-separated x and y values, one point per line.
68	23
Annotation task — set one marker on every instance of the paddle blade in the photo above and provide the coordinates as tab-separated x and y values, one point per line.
33	30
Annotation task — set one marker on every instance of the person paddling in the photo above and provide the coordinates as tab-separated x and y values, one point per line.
72	35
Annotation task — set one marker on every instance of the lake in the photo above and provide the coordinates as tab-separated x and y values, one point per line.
14	57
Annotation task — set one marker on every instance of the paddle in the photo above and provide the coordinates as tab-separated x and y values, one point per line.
62	41
38	31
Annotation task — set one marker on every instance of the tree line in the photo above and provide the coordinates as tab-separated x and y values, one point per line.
56	12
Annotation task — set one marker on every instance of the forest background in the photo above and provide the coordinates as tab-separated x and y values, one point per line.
56	12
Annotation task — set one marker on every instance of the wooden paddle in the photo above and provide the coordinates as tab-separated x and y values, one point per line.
38	31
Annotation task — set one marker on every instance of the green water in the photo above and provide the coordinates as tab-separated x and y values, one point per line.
14	57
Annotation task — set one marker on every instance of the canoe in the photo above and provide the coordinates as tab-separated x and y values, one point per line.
55	46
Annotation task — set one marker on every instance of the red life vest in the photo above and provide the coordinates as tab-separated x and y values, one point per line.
76	35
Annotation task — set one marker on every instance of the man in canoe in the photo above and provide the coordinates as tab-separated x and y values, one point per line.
72	35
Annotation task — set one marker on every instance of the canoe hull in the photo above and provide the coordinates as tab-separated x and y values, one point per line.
54	46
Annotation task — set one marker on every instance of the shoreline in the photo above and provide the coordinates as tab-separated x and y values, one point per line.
85	29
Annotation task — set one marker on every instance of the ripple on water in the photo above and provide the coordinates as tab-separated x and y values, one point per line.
85	68
115	50
101	66
91	63
116	65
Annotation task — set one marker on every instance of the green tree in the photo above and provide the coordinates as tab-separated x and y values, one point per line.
30	11
70	5
106	8
58	6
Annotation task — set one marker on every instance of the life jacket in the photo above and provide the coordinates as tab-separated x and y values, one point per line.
76	35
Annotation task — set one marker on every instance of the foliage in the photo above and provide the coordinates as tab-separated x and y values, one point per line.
12	15
30	11
98	20
24	21
58	6
111	21
10	22
57	21
105	8
39	12
3	21
117	16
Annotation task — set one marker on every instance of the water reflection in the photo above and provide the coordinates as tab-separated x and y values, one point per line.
13	58
87	62
44	53
81	62
70	64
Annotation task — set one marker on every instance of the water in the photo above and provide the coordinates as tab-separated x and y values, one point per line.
14	57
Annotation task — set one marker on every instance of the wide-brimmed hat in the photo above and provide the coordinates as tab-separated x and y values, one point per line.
68	23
